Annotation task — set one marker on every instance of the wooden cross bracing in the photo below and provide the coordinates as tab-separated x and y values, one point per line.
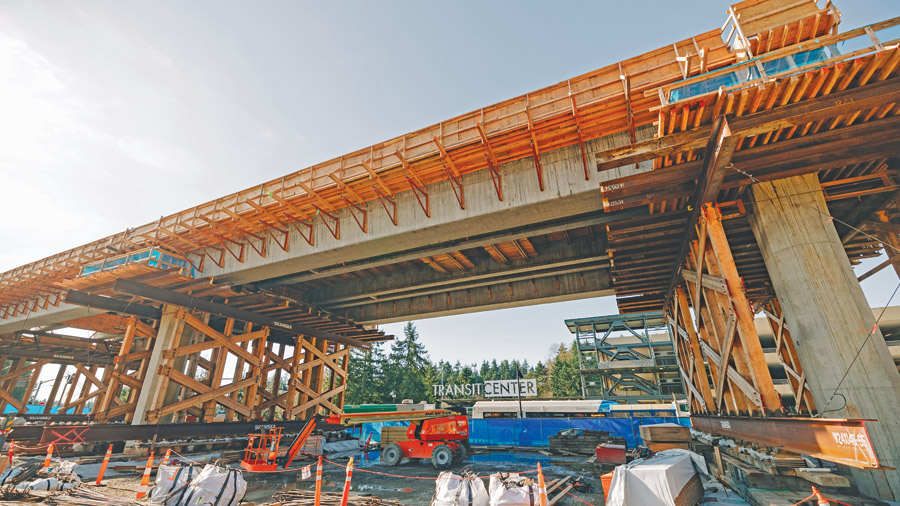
719	349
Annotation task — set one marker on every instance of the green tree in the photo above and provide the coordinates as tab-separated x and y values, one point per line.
564	376
365	376
407	362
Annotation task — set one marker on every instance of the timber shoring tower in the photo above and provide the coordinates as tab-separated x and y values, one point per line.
738	171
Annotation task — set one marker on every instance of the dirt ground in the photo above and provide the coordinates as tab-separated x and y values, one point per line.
412	484
409	489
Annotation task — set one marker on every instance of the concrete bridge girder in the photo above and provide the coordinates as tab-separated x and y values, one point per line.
557	288
566	194
579	253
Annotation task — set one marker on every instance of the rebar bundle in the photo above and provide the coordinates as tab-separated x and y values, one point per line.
307	497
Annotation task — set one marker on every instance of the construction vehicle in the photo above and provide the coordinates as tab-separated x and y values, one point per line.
438	434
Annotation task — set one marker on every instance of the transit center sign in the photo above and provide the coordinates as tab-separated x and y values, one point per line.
496	388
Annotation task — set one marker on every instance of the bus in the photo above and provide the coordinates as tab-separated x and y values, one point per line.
576	409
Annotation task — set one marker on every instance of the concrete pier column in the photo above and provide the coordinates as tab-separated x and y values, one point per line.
168	328
829	318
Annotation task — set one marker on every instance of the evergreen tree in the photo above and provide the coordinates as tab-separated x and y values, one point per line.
504	371
361	377
407	363
431	377
540	375
485	371
564	376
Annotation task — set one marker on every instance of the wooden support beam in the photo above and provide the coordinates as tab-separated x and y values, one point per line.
745	323
203	393
188	301
535	149
376	178
796	114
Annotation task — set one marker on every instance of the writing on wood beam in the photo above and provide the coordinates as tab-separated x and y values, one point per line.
719	148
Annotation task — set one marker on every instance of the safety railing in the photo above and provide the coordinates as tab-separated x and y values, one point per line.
785	62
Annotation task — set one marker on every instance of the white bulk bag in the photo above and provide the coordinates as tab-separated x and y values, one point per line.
216	486
454	490
171	484
518	494
39	484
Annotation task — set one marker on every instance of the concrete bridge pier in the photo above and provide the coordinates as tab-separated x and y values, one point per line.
829	319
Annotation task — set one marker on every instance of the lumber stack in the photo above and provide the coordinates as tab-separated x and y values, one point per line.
665	436
392	435
84	495
578	441
308	497
691	493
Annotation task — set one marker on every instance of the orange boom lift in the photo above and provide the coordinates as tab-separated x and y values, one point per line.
438	434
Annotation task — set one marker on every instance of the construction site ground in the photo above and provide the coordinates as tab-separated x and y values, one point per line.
412	482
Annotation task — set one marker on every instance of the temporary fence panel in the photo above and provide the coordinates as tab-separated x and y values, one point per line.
535	432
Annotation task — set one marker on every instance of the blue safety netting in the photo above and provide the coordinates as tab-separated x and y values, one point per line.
36	409
535	432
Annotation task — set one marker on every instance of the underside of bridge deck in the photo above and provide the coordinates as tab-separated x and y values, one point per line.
645	179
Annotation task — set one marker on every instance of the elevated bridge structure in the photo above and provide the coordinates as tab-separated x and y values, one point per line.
736	172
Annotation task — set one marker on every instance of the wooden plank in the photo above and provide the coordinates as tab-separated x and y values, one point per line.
203	393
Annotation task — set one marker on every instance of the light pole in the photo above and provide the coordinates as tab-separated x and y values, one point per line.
393	397
33	398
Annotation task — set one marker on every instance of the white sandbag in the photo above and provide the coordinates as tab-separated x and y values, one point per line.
9	474
171	485
66	467
454	490
216	486
46	484
512	491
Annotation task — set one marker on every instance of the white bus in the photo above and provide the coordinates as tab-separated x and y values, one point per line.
576	409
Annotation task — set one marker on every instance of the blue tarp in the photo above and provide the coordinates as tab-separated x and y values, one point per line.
35	409
375	430
535	432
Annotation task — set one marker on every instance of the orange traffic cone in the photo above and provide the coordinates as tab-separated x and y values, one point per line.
165	461
105	463
49	456
347	483
145	480
821	500
319	482
542	488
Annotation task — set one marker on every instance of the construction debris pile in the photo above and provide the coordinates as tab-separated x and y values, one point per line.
580	441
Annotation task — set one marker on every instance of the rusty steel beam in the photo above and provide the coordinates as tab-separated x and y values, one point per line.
837	440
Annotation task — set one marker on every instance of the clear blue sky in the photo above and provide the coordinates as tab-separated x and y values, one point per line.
115	113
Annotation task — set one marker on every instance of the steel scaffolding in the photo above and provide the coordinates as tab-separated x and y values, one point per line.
626	358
